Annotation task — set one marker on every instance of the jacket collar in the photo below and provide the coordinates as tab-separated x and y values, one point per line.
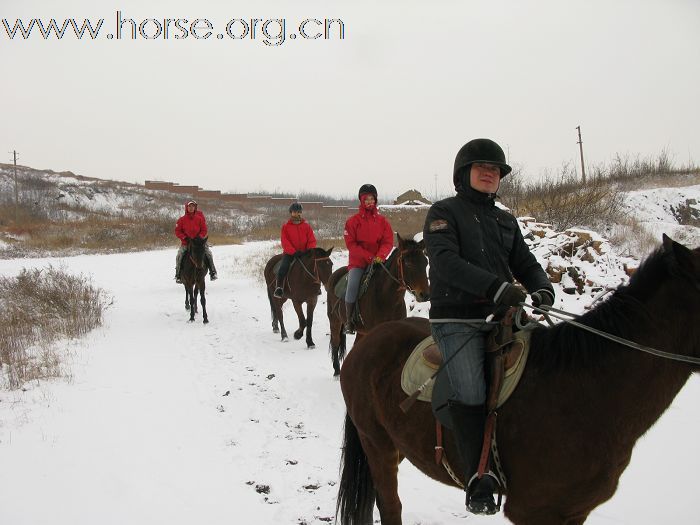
471	195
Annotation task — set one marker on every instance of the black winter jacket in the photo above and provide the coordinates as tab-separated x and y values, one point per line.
474	247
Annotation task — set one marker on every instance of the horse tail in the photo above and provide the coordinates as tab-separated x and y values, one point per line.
356	493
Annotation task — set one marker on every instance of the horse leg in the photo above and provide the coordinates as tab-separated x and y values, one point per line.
310	307
302	320
194	298
337	343
383	459
203	300
187	297
275	322
193	303
280	316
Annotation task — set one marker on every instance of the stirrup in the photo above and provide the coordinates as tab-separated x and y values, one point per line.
349	328
213	276
485	504
279	293
178	280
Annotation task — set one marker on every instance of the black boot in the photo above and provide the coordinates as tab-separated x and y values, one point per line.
279	292
349	321
212	268
468	422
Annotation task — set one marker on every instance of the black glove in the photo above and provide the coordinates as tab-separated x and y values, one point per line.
542	297
509	295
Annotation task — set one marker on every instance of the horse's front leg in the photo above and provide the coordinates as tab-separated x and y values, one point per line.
203	300
187	297
310	307
193	303
302	321
194	298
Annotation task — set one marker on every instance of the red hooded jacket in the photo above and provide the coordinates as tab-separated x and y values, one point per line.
367	235
191	225
297	237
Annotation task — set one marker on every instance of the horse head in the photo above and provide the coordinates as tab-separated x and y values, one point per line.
323	266
412	267
195	248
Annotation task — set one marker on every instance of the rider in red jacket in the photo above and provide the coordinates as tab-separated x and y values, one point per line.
369	239
297	237
192	224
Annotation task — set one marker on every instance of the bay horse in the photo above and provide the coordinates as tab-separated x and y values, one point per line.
566	434
192	274
384	300
302	285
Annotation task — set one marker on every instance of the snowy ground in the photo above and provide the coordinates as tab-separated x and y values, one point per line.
163	421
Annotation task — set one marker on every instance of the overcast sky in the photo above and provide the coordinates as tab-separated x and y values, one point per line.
390	104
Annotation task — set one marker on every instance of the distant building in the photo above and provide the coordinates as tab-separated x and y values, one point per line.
411	198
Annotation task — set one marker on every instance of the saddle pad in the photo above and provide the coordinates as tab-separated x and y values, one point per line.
341	286
417	370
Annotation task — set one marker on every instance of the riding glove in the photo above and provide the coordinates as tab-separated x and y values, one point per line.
509	295
542	297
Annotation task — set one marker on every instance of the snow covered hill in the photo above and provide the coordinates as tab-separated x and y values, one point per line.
165	421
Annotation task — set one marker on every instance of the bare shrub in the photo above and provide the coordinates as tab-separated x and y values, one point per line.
565	202
37	308
631	238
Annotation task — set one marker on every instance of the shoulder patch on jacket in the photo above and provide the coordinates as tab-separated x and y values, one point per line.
438	225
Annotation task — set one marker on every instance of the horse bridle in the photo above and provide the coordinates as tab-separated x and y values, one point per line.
401	281
189	254
314	275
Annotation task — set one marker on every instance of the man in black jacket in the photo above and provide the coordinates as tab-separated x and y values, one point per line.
475	250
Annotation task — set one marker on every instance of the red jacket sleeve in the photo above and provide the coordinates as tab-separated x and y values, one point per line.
203	232
179	231
287	246
357	252
310	237
387	242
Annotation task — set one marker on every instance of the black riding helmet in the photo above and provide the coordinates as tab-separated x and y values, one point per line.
479	150
367	188
295	206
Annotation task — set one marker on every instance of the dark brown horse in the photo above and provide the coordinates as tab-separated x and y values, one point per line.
194	270
384	300
302	285
566	434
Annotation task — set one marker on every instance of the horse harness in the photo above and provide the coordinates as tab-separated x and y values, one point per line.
314	275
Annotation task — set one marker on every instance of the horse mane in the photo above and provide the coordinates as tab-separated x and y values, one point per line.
567	347
409	245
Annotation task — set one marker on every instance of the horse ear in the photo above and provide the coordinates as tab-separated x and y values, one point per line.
684	256
421	244
398	238
206	238
667	243
329	251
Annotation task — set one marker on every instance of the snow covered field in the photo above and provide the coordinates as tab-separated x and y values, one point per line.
163	421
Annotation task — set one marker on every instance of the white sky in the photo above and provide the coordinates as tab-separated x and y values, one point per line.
391	104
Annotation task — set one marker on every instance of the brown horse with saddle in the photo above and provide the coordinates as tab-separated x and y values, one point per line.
303	282
382	293
566	433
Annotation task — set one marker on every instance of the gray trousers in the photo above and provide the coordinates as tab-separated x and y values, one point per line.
354	278
183	249
466	370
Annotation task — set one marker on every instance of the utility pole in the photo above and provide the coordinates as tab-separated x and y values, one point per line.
14	155
580	147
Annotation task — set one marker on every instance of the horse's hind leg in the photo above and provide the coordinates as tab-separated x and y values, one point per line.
302	320
383	459
280	316
193	304
187	297
203	300
194	299
275	322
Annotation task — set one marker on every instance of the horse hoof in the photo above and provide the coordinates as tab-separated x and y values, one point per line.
206	321
285	339
311	346
297	335
275	330
336	373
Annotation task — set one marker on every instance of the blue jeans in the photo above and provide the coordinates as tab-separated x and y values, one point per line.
354	278
466	370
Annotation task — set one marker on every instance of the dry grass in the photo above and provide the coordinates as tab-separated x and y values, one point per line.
38	308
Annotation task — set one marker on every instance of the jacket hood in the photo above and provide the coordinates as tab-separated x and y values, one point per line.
191	202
